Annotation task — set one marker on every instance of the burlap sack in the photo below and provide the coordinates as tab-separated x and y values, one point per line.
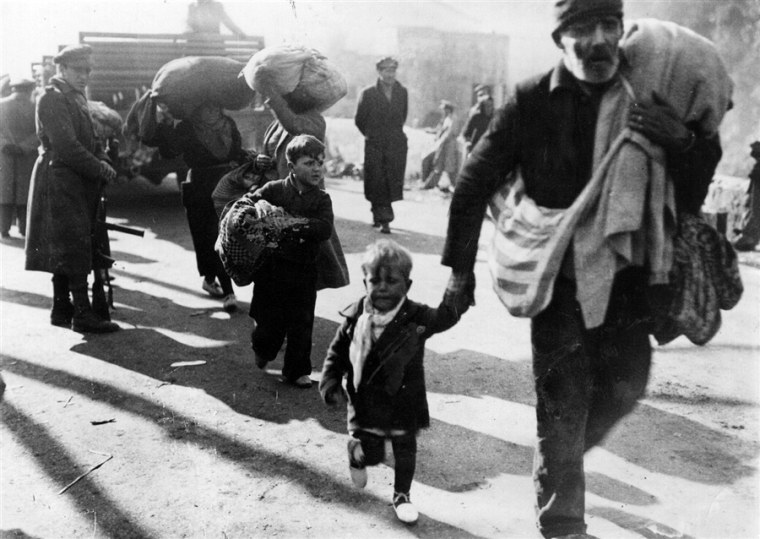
185	83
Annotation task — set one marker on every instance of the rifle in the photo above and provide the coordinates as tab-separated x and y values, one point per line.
102	291
122	228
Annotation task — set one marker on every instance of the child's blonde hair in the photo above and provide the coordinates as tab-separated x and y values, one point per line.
386	253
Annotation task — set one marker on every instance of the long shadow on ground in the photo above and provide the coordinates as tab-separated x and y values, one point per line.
258	460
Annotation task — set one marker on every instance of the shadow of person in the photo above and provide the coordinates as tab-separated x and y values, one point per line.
60	466
159	334
356	235
256	458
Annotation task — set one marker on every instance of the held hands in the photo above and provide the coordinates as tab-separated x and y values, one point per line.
659	122
335	395
460	292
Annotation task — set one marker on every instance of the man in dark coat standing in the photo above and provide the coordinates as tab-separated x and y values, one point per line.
18	151
380	116
66	185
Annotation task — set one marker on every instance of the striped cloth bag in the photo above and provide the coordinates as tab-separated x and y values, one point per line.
526	252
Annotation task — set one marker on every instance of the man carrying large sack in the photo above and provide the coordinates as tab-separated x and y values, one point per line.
591	348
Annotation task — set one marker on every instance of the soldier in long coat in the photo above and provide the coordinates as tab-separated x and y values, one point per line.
66	184
18	151
380	116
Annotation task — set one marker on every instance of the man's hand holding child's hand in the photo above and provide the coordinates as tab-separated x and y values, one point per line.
460	292
335	395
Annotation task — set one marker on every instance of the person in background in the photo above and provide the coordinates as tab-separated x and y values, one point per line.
206	16
445	154
750	234
64	193
18	152
293	119
285	294
587	377
380	116
379	350
210	144
479	117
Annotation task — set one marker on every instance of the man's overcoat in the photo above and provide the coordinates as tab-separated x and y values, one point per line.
66	184
382	123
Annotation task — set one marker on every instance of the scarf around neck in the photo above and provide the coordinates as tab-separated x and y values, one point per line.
369	326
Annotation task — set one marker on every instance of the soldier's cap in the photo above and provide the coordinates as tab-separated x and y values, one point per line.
567	12
387	61
446	104
482	88
22	84
74	56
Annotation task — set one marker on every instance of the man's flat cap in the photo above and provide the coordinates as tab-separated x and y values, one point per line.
74	55
388	61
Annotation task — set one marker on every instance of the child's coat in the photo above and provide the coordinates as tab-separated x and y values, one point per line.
391	394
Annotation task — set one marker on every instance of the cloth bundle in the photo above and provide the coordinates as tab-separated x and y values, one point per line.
185	83
303	76
248	236
106	121
704	280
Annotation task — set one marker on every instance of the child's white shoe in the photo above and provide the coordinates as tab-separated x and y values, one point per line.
405	511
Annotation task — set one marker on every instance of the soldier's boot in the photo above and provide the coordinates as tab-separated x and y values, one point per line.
85	320
63	310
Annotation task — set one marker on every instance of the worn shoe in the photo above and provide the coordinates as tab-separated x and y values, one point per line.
385	228
302	381
86	321
405	511
213	288
230	303
61	315
261	361
356	464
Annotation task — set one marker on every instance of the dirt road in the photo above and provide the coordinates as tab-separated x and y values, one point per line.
224	450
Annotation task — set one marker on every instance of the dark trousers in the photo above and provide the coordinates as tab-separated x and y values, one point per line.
285	309
586	380
7	214
204	227
404	455
382	214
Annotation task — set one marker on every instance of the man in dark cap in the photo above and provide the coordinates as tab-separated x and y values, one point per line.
380	116
587	376
18	150
66	185
479	117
